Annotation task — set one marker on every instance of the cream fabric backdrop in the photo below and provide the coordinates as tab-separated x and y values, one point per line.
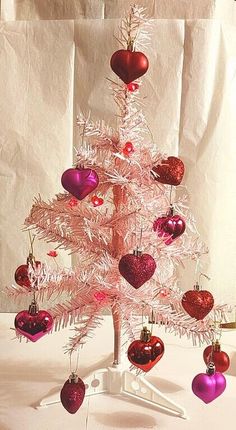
52	67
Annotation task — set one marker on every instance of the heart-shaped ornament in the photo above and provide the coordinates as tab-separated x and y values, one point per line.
169	227
137	269
129	65
208	387
213	353
170	171
79	181
198	303
146	352
33	326
72	394
22	274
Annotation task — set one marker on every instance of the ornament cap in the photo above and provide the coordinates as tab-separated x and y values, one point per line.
30	259
73	378
33	308
196	287
145	335
210	368
137	252
216	346
171	210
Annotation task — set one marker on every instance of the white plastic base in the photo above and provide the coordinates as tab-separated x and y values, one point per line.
115	380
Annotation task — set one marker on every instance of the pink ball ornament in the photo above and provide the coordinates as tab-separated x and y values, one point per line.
210	385
79	181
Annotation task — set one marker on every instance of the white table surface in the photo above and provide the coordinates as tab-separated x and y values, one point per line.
29	371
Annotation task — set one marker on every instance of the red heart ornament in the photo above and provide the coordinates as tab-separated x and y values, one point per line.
22	275
197	303
137	269
129	65
33	326
72	394
169	227
213	353
170	171
144	354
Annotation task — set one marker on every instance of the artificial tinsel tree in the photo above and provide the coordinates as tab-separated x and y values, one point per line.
125	214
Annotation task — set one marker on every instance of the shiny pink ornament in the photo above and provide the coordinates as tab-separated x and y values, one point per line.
169	226
79	181
33	323
137	268
208	386
72	394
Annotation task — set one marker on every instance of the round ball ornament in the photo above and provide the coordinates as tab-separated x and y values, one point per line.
137	268
197	303
79	181
129	65
146	352
213	353
22	272
33	323
170	171
169	226
72	393
210	385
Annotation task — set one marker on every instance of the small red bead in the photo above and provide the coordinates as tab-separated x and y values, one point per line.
132	86
73	202
128	149
52	253
97	201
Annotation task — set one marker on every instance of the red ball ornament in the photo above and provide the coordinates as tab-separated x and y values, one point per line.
128	149
213	353
72	393
146	352
133	86
33	323
22	272
129	65
137	268
170	171
197	303
97	201
169	226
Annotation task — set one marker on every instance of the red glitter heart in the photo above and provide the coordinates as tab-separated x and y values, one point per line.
170	171
137	269
198	303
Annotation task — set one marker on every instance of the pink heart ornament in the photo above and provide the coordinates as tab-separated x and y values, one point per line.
79	182
208	387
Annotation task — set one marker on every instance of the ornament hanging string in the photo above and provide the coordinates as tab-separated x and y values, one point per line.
77	363
31	239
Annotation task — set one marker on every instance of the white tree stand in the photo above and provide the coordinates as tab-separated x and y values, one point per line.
116	380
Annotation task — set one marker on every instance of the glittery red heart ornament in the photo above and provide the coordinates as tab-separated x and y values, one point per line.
170	171
213	353
137	269
129	65
197	303
72	394
146	352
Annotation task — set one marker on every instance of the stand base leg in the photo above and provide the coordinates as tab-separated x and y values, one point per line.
115	380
